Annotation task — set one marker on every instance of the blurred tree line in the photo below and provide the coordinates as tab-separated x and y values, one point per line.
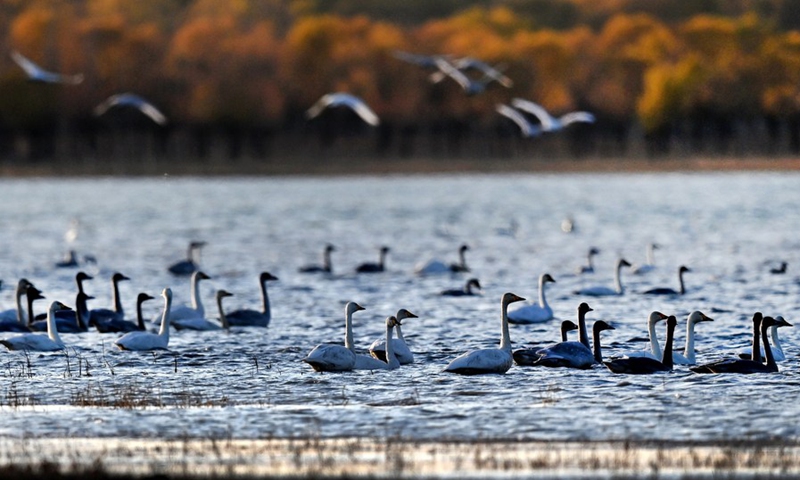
235	77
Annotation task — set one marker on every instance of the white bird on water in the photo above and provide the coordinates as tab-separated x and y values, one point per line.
38	342
143	341
549	122
347	100
38	74
336	358
131	100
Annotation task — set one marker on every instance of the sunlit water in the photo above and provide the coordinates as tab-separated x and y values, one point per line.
729	228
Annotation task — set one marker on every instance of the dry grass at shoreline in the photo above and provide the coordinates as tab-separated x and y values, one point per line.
392	458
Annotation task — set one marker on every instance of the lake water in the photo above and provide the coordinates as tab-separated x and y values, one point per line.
729	228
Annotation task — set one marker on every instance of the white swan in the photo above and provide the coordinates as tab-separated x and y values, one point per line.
669	291
650	264
131	100
606	291
347	100
535	312
16	318
550	123
589	267
203	324
38	74
489	360
255	318
488	71
364	362
99	314
688	357
470	86
143	341
399	346
336	358
197	310
655	351
526	128
38	342
777	348
433	267
570	354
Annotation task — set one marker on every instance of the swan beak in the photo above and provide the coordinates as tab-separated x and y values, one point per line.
706	319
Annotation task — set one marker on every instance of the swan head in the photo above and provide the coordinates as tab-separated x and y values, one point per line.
594	251
656	317
81	276
391	322
198	275
568	326
266	276
584	308
196	245
33	293
601	325
463	248
352	307
511	298
56	306
683	269
384	250
167	293
330	248
672	322
623	263
402	314
118	277
781	322
473	282
757	317
698	316
767	322
143	297
223	293
548	278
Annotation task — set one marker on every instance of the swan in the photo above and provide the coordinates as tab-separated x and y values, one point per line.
68	321
470	63
470	86
526	128
655	349
778	271
646	365
254	318
36	73
100	314
528	356
589	267
336	358
326	262
535	312
777	348
131	100
650	265
70	260
36	341
688	357
550	123
424	61
574	354
347	100
196	310
488	360
374	267
399	346
192	262
437	266
116	325
467	291
669	291
606	291
16	320
32	293
143	341
739	365
203	324
81	277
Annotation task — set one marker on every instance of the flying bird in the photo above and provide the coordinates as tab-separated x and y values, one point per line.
131	100
352	102
38	74
489	72
527	128
549	122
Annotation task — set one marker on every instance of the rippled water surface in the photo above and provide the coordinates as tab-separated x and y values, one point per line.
730	229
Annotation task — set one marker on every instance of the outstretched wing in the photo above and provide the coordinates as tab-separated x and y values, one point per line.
527	129
344	100
573	117
37	73
547	120
133	101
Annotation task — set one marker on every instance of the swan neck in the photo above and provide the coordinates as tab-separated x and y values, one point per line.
81	312
52	329
264	299
348	332
139	318
390	357
542	300
399	333
462	258
564	331
688	349
164	330
667	360
650	255
115	297
505	338
680	280
196	303
20	311
618	279
767	349
326	260
755	354
655	348
776	341
30	310
583	335
598	353
222	318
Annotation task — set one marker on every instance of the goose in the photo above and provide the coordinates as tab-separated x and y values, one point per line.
326	262
336	358
36	341
488	360
36	73
550	123
689	357
100	314
145	341
739	365
197	310
655	349
529	355
339	99
116	325
535	312
650	265
68	321
131	100
606	291
777	348
589	267
192	262
466	291
526	128
437	266
16	319
374	267
399	346
254	318
646	365
668	291
574	354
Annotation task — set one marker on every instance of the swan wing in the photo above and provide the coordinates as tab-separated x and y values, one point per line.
481	361
530	314
141	341
566	354
365	362
448	69
547	120
33	342
344	100
399	347
469	63
331	358
133	101
573	117
247	318
35	72
526	127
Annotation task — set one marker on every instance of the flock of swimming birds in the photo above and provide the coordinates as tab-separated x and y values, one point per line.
531	118
392	351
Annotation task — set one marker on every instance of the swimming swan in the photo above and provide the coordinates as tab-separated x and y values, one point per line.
606	291
68	321
254	318
399	346
669	291
489	360
374	267
37	342
655	349
535	312
777	348
143	341
646	365
364	362
589	267
16	319
574	354
433	267
336	358
99	314
650	265
196	310
527	356
326	266
467	291
118	326
739	365
203	324
689	357
192	262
